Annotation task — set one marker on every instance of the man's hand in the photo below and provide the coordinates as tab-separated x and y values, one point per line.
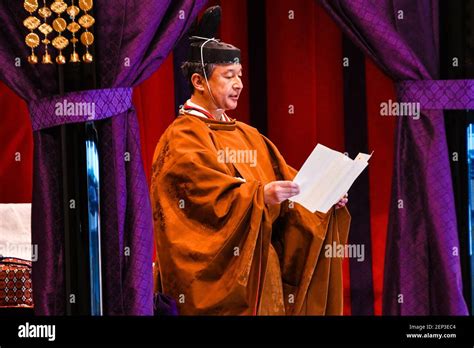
276	192
342	203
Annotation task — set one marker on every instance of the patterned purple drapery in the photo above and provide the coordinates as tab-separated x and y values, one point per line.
95	105
422	267
438	94
132	39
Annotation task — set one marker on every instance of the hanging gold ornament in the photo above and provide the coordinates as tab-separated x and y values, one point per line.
86	5
47	59
33	59
87	21
45	12
45	26
45	29
59	25
87	38
73	28
30	5
58	6
32	40
31	23
73	10
60	43
75	58
87	58
60	59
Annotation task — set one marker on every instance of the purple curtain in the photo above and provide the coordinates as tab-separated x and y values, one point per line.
422	266
133	38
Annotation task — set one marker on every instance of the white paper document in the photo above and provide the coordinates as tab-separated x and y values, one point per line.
326	176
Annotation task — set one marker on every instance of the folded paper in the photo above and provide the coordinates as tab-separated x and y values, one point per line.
326	176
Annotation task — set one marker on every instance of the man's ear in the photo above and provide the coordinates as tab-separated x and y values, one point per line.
198	82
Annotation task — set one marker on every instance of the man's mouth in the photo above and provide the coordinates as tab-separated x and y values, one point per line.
234	97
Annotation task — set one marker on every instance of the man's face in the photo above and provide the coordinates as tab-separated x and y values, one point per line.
226	85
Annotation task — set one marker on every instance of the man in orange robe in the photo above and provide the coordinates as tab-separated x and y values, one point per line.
228	240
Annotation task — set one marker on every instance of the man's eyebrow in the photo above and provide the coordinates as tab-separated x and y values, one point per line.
233	70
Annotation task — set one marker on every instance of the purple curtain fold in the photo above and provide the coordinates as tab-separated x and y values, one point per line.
132	39
422	266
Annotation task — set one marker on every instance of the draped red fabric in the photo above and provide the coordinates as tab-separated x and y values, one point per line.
381	132
305	94
304	102
154	102
16	149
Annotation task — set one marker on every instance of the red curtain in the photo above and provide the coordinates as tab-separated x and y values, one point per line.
379	88
305	94
304	101
154	103
16	150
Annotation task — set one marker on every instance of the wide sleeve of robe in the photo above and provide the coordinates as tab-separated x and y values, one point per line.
221	249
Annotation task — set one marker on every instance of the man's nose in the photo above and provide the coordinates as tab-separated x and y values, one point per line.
238	83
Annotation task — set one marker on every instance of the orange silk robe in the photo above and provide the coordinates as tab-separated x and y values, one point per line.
221	249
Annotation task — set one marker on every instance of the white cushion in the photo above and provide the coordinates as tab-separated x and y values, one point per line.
15	231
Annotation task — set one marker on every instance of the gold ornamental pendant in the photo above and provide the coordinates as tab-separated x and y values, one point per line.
68	21
32	40
87	21
31	5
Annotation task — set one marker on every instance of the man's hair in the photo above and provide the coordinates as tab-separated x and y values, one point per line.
190	68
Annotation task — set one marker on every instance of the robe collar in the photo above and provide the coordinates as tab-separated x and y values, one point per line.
196	110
